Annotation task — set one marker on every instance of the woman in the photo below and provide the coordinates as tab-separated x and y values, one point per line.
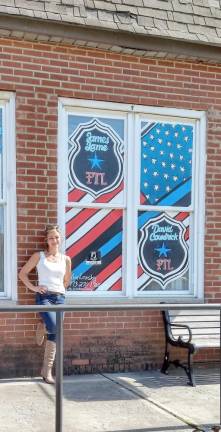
54	273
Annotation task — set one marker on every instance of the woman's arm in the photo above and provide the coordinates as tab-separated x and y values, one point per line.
26	269
67	276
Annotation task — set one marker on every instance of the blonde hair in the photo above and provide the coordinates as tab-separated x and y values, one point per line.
52	227
49	228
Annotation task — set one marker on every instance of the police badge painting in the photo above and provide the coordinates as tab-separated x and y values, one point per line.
95	159
163	250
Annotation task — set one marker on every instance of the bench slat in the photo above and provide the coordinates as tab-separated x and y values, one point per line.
185	336
201	343
208	340
196	333
207	337
195	322
213	343
196	312
192	319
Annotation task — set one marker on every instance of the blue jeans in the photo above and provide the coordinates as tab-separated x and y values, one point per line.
49	318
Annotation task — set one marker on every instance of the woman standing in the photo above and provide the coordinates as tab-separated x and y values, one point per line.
54	273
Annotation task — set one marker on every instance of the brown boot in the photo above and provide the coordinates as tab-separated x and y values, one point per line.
40	333
49	356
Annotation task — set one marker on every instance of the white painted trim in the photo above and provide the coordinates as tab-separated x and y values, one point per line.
130	214
123	292
195	216
113	114
201	205
168	112
162	295
62	167
95	205
92	294
142	109
94	105
7	101
193	289
159	208
137	159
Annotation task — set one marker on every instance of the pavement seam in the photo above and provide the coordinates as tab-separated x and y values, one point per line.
185	420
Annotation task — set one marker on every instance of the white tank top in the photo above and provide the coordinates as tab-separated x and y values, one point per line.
51	274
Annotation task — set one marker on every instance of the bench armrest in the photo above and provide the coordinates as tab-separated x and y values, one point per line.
180	338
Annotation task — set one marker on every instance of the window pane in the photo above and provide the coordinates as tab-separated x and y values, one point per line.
1	250
94	244
166	163
95	158
163	251
1	157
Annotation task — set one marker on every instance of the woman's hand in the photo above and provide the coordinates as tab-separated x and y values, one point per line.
41	289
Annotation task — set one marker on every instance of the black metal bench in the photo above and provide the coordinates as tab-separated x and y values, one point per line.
190	329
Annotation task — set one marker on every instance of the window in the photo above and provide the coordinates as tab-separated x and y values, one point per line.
8	274
129	199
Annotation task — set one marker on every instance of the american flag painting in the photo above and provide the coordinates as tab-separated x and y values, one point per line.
166	163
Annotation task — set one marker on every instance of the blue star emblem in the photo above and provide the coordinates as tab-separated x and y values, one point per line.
163	250
95	161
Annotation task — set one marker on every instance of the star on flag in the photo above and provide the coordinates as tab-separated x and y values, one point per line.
166	162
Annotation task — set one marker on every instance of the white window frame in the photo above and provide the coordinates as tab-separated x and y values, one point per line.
134	112
8	202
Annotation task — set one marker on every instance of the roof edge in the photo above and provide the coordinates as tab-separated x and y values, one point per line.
119	41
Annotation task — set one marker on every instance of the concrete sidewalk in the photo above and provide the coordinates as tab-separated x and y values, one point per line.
119	402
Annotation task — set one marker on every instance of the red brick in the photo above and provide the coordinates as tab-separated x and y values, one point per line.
56	71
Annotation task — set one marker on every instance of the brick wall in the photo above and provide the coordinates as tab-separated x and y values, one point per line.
39	74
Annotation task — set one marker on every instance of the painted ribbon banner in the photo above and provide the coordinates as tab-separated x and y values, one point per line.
95	160
163	249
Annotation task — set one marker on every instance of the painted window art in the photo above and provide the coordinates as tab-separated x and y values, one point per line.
163	243
166	163
96	177
131	199
1	156
1	210
165	181
95	158
94	243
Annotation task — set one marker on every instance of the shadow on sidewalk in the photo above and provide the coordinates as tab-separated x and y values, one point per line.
110	386
174	380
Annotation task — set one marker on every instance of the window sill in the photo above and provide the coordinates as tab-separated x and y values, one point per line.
7	302
128	301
